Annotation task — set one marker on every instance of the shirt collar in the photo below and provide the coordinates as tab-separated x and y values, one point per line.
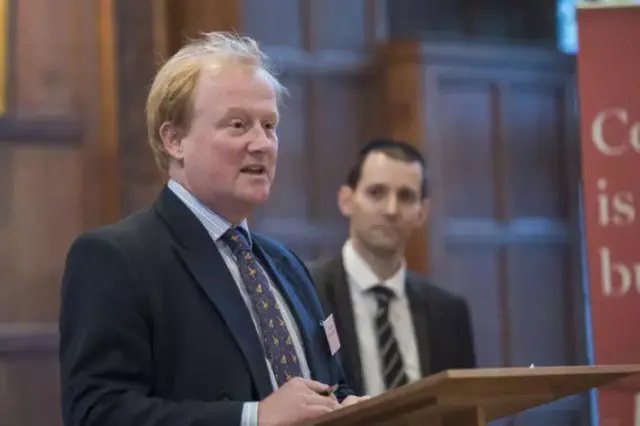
363	277
215	224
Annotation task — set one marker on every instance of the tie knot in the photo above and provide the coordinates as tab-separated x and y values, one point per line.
237	240
383	294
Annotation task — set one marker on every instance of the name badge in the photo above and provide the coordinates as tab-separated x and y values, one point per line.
330	330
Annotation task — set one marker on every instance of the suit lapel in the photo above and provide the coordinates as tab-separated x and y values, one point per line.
421	313
205	263
213	276
338	295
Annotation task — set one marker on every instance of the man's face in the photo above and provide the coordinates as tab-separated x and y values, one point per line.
386	206
229	153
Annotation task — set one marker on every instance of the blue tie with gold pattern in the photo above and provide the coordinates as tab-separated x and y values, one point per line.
277	340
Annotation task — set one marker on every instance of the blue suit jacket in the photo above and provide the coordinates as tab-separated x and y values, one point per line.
154	331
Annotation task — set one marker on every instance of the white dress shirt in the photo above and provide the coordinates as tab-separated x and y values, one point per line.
361	278
216	226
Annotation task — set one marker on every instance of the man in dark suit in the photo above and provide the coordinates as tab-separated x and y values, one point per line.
179	315
395	327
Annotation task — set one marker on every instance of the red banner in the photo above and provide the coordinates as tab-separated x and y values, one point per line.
609	98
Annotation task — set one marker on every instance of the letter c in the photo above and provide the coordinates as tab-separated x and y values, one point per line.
598	137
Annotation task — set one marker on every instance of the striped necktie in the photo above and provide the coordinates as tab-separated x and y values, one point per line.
390	356
275	334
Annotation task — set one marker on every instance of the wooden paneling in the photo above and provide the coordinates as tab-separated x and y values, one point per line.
498	129
108	114
480	264
284	26
401	118
339	31
138	56
38	242
56	175
29	384
468	189
535	172
176	21
36	79
30	392
529	21
45	72
4	29
292	155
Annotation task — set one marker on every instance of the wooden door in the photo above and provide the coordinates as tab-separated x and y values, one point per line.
55	180
498	127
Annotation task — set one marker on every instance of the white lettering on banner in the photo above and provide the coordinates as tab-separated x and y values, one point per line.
618	278
613	148
617	208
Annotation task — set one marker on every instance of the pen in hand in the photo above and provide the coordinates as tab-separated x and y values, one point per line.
329	391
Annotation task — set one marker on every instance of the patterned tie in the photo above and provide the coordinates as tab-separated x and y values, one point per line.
277	340
392	365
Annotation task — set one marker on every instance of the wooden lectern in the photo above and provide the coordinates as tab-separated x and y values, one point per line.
474	397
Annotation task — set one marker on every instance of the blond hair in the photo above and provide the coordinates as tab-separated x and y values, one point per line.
171	95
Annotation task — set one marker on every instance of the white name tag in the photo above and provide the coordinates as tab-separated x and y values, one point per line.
330	330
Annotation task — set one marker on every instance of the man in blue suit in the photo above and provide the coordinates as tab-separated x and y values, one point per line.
179	315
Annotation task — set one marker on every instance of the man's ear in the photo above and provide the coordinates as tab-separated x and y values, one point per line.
172	137
345	200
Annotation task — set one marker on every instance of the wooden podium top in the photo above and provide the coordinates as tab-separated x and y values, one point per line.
497	392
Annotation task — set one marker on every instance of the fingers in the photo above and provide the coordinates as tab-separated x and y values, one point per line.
311	384
313	399
313	411
350	400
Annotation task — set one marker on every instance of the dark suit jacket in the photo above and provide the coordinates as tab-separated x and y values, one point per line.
154	331
441	322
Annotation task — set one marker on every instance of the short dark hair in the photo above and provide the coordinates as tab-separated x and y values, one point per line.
398	150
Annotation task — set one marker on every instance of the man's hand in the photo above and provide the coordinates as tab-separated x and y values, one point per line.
296	400
352	399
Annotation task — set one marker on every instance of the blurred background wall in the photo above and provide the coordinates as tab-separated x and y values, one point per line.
480	86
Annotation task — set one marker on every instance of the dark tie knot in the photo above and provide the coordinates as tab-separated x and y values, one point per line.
383	294
237	240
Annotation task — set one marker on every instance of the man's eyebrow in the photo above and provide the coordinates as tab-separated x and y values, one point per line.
274	115
376	185
386	186
244	111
